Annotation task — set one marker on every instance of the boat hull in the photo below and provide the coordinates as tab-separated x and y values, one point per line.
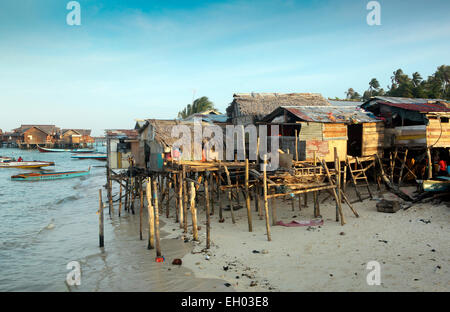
49	176
90	156
436	185
53	150
26	164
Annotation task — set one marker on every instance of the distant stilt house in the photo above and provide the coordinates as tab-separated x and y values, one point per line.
76	137
32	135
121	145
320	129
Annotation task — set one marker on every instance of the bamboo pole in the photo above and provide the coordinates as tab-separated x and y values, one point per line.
299	202
273	205
208	216
151	216
193	213
100	219
296	147
155	199
337	165
247	197
334	191
111	206
266	204
181	201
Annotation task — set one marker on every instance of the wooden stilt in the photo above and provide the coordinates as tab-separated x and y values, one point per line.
181	201
120	200
229	194
336	198
430	164
185	200
211	188
208	215
151	216
247	197
266	204
156	225
193	213
167	192
100	219
141	209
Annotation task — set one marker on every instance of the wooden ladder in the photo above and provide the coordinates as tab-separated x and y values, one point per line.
358	173
397	162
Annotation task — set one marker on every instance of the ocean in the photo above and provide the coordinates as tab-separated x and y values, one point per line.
45	225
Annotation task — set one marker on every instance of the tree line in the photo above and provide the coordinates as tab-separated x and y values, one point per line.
436	86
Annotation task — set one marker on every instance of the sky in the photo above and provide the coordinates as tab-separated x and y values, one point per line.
149	58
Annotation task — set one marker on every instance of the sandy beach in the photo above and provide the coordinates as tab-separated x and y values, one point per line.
410	245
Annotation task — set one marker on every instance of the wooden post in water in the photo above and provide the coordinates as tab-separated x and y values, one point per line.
141	208
111	206
151	216
120	200
208	216
155	198
247	197
177	199
127	185
193	213
100	219
266	204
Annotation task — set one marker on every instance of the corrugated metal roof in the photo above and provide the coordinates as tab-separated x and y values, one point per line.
403	100
345	103
419	107
332	114
212	118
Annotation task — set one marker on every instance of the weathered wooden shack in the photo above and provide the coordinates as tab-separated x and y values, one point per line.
121	145
157	142
318	130
413	123
248	108
76	137
38	134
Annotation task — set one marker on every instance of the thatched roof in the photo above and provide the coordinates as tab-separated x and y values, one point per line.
47	129
162	130
261	104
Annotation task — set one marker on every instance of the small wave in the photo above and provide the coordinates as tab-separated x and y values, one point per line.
49	226
67	199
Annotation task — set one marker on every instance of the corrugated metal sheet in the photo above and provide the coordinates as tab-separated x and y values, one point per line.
419	107
403	100
332	114
345	103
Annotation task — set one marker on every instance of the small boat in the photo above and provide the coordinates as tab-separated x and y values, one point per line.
82	150
25	164
90	156
441	184
52	150
49	175
6	159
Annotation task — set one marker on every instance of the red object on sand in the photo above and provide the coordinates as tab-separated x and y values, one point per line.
159	259
314	222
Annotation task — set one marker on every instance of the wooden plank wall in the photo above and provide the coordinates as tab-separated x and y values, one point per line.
372	138
434	136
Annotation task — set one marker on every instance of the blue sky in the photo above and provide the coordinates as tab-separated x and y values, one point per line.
144	59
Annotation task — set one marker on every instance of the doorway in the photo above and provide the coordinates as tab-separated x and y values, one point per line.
354	142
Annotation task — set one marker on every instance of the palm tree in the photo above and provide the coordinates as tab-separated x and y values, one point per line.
199	105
